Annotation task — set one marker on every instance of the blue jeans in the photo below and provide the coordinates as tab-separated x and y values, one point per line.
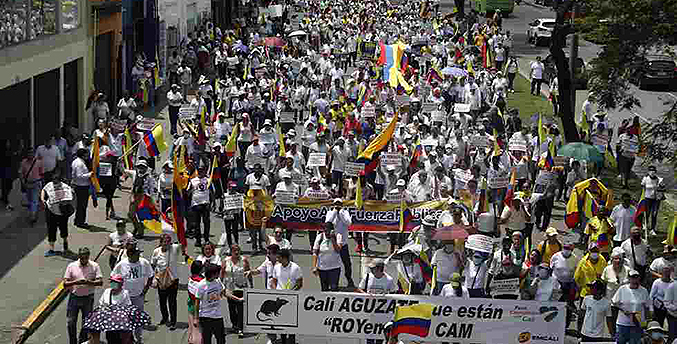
651	216
77	304
32	194
628	334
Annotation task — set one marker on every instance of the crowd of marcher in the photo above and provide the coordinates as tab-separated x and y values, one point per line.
246	112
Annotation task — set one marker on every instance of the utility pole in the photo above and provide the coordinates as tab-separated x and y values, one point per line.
573	57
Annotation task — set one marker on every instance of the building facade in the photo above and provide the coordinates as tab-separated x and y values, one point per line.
45	69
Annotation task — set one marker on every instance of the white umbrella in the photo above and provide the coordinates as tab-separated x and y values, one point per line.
298	33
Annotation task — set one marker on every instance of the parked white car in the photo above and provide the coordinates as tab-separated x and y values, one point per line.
540	31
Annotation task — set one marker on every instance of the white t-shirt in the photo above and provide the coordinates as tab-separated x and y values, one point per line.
383	285
596	312
209	294
49	156
257	183
136	275
117	239
640	251
447	264
339	155
159	259
475	275
537	70
517	219
563	268
287	276
658	291
327	259
122	298
649	184
200	191
266	270
623	219
448	291
631	300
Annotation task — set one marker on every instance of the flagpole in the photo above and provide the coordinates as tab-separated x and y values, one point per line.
137	143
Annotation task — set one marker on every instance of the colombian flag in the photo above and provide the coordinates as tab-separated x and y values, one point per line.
434	74
641	209
416	155
426	269
129	161
155	141
510	194
280	138
414	319
370	155
405	214
603	240
576	204
231	146
147	214
670	240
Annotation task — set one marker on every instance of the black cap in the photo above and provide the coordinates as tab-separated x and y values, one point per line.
83	250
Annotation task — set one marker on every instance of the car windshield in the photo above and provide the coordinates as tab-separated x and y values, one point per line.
549	25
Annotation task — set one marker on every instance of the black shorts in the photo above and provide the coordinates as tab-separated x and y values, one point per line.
55	222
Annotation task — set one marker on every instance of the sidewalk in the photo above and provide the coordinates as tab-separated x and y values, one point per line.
26	276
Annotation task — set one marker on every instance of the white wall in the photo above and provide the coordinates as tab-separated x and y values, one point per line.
175	12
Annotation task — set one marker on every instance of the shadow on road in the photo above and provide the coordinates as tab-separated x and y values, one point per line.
21	239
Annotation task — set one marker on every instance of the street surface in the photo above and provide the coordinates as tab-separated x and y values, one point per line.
26	277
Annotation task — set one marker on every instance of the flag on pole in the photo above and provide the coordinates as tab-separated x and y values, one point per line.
231	146
370	155
129	161
155	141
670	240
280	138
405	214
179	183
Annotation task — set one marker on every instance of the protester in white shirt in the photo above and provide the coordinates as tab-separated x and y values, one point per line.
377	281
636	251
209	294
446	262
138	275
454	289
631	299
623	216
166	257
536	74
657	294
596	309
475	272
546	287
340	217
653	189
51	156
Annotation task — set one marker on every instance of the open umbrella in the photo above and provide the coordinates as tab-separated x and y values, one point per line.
452	232
581	151
116	318
454	71
275	42
298	33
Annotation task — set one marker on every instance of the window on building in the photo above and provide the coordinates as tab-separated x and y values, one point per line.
43	18
13	22
70	14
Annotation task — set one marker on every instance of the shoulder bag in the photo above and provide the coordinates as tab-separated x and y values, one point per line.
164	279
24	181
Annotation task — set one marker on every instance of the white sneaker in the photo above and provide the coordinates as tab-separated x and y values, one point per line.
653	233
269	341
249	241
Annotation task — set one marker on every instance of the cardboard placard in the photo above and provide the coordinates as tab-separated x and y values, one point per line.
287	117
438	116
518	145
317	159
118	124
233	202
561	160
499	182
285	197
61	194
462	176
392	159
429	107
146	124
462	108
353	169
480	242
105	169
508	286
275	10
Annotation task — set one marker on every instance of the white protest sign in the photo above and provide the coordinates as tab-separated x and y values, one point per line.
479	141
318	195
353	169
394	197
317	159
105	169
462	108
146	124
510	286
118	124
61	194
429	107
360	316
285	197
438	116
462	176
429	142
187	112
518	145
287	117
233	202
499	182
480	242
392	159
275	10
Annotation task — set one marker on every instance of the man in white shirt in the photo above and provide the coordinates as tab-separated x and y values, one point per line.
596	311
420	187
636	251
175	99
536	73
631	299
198	189
287	275
51	156
377	281
80	179
445	262
138	275
623	216
341	219
256	153
339	154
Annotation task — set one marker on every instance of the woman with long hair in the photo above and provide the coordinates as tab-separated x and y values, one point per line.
233	272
